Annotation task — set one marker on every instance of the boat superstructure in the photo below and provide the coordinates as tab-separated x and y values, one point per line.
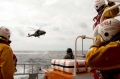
54	73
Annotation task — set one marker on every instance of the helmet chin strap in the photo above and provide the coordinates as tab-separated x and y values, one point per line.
101	8
114	38
5	40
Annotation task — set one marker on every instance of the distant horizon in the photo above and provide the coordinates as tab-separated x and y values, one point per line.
46	52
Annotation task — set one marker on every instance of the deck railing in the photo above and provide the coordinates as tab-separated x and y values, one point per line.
33	69
83	55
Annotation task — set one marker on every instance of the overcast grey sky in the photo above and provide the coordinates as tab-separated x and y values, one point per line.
63	21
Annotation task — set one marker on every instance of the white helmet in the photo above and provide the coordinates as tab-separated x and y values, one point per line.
5	32
108	29
99	3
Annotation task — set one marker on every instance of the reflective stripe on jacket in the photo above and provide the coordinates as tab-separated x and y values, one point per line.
6	62
105	57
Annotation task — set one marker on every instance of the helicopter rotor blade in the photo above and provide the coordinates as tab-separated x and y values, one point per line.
32	28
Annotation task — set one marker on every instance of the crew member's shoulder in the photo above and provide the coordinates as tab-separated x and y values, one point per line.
5	46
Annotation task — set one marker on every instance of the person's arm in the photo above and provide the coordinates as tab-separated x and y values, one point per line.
8	67
104	57
113	12
15	61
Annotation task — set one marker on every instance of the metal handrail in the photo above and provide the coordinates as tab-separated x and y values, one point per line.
75	56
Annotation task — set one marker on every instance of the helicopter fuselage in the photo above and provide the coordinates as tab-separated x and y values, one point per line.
37	33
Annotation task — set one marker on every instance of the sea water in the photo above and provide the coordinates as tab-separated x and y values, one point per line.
37	57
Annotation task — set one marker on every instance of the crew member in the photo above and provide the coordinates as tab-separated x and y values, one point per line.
69	54
104	54
7	67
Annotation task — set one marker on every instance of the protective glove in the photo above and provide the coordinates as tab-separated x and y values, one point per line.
98	42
